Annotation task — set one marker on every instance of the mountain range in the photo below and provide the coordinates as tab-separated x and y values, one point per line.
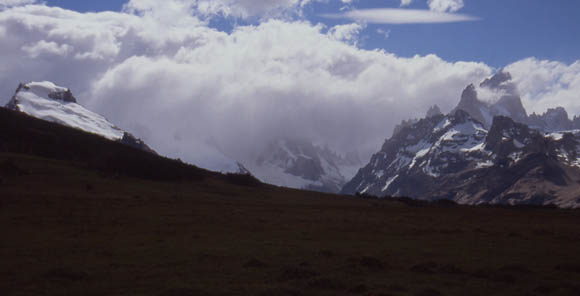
486	150
481	152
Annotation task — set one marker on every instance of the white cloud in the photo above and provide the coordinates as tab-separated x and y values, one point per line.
406	2
43	48
445	5
10	3
183	86
547	84
180	85
402	16
346	33
385	33
210	8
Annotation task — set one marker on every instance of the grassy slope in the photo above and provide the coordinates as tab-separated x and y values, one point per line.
68	229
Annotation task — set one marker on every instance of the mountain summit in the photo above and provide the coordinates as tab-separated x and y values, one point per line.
498	96
503	100
47	101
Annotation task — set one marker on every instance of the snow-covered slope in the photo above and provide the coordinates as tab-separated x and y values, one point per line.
45	100
297	163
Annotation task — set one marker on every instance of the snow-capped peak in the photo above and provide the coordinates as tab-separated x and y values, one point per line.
45	100
47	89
485	151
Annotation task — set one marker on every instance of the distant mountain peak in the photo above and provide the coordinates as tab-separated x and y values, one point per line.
298	163
499	80
505	102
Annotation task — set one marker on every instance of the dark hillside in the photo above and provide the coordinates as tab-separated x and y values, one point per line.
20	133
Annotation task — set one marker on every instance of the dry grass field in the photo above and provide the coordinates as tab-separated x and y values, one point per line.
70	231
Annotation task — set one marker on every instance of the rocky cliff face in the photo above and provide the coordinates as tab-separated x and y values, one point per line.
479	153
504	100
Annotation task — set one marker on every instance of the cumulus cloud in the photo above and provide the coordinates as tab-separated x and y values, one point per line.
547	84
402	16
207	9
10	3
183	87
43	48
347	33
445	5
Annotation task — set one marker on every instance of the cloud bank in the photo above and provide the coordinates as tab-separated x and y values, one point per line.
547	84
10	3
189	90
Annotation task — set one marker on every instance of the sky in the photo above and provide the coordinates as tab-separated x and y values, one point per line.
505	32
192	77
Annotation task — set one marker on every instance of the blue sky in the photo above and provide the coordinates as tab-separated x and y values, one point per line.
508	30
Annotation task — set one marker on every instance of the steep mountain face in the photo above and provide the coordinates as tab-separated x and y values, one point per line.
467	157
297	163
47	101
505	101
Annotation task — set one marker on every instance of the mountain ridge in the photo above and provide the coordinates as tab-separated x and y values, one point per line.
47	101
472	159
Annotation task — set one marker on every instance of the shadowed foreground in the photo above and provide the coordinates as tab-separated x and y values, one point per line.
80	215
71	231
